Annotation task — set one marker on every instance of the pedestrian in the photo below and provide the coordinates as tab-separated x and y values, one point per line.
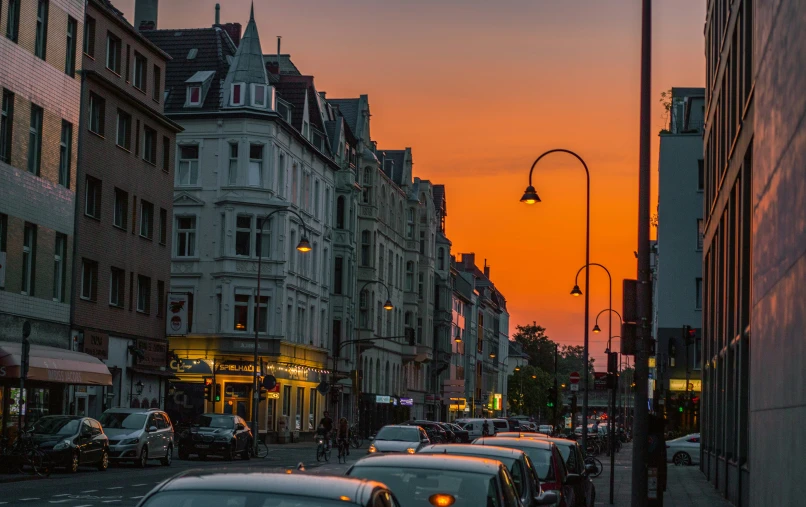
485	429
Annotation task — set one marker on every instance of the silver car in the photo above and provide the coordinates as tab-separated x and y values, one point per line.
393	438
138	435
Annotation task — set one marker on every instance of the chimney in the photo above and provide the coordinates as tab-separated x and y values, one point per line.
145	14
234	32
468	260
486	269
279	40
217	14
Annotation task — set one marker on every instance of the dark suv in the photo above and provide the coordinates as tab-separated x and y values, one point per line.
223	435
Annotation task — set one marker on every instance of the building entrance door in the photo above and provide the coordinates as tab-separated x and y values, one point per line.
236	399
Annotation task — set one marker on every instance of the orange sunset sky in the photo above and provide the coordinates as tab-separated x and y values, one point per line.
478	89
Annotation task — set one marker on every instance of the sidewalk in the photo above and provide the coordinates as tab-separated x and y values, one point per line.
686	486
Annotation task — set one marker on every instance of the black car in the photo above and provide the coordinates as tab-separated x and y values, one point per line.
71	441
448	431
462	435
223	435
435	432
571	451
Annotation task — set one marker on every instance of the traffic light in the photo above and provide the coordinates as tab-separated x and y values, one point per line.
552	397
26	358
208	389
218	392
689	335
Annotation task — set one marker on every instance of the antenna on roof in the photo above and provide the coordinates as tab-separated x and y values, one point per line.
217	14
279	39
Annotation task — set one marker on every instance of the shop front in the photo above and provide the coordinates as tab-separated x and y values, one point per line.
378	410
52	373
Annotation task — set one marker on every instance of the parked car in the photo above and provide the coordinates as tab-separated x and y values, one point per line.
571	451
462	435
546	429
394	438
474	427
684	451
139	434
448	431
548	462
223	435
197	488
517	462
520	434
435	432
72	441
419	480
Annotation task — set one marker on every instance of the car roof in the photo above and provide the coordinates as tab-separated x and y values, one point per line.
487	451
526	442
520	434
66	416
560	441
433	461
319	486
131	410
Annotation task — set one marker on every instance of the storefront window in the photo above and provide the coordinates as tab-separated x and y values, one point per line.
300	406
37	404
287	401
312	415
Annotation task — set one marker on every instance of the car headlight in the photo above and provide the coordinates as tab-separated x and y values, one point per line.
372	449
64	444
411	450
129	441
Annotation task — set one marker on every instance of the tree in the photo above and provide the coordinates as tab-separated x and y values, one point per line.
527	390
537	345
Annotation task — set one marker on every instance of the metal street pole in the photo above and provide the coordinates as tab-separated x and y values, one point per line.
643	310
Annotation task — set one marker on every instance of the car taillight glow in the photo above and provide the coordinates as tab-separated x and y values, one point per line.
440	500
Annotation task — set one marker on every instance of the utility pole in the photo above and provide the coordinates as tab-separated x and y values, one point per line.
643	310
24	364
556	392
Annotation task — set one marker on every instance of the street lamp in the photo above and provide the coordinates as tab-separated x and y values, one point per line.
531	197
596	329
575	291
303	246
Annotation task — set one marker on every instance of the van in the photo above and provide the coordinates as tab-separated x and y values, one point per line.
475	427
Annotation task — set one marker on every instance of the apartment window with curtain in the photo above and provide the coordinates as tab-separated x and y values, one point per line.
65	153
89	36
13	20
117	287
263	238
97	112
149	145
243	235
123	137
89	280
241	313
35	140
409	276
366	248
143	294
232	177
188	173
6	124
262	325
70	48
185	236
28	259
140	71
255	165
92	197
113	52
146	219
59	271
41	38
121	209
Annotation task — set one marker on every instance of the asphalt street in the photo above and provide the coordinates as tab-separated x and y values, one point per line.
125	485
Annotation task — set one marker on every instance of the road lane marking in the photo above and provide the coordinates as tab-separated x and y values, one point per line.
60	501
110	501
32	498
63	494
90	491
116	487
138	485
137	497
84	505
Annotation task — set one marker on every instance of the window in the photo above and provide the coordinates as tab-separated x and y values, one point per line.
312	408
188	165
156	87
13	27
243	235
263	239
117	287
700	175
237	94
338	274
124	133
89	280
143	294
410	276
316	199
194	95
232	177
441	258
128	62
410	223
284	111
35	140
340	212
420	294
121	209
366	248
258	95
255	165
422	242
41	40
140	71
700	233
113	47
149	145
28	258
160	298
65	153
185	236
6	123
89	36
163	226
698	294
92	198
306	190
59	258
241	313
281	174
262	315
70	51
294	186
146	219
97	111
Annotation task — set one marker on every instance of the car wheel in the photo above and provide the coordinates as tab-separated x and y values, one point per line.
169	456
682	459
104	463
143	461
75	460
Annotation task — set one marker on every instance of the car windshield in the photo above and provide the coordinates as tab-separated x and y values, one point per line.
500	424
541	459
214	421
56	426
237	499
414	486
399	434
121	420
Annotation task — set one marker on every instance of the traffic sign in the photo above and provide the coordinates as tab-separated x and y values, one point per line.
574	387
574	377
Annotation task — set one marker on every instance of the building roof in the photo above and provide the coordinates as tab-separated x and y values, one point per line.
439	199
283	63
293	93
214	47
349	109
392	163
247	64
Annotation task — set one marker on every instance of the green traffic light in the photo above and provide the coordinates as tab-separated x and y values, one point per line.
218	398
680	409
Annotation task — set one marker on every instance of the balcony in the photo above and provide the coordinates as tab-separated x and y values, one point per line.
416	353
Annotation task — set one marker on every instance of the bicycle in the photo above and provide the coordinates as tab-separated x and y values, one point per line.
354	438
25	456
322	449
597	467
261	451
343	446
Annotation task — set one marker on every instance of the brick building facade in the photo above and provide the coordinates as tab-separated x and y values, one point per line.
123	227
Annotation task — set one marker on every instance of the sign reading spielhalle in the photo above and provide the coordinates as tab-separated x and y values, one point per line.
176	323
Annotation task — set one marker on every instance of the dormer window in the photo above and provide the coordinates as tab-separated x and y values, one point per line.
237	94
194	95
258	95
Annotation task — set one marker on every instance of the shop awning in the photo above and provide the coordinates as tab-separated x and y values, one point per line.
51	364
158	373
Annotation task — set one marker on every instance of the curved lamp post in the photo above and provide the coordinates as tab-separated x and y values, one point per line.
303	246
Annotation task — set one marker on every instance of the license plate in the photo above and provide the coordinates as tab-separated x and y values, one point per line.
202	446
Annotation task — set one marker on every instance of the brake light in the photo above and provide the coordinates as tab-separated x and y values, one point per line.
440	500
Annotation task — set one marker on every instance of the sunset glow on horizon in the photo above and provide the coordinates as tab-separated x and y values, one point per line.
478	90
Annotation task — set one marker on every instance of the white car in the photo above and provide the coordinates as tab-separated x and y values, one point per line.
684	451
545	428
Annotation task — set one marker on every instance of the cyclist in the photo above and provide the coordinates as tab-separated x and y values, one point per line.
327	423
343	434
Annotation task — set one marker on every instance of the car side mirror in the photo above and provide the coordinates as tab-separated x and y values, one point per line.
152	429
239	427
547	498
371	439
573	479
424	440
590	468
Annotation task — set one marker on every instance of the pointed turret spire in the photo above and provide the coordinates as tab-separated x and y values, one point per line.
252	12
247	65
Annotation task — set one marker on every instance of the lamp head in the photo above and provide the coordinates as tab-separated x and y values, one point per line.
576	291
530	196
492	355
596	328
388	305
517	368
304	245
